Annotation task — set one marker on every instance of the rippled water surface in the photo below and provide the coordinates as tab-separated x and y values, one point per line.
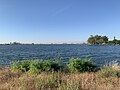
99	54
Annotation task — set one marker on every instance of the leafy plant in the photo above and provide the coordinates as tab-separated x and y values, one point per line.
36	66
79	65
51	66
21	65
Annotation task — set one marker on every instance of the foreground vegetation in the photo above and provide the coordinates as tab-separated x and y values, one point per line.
38	66
51	75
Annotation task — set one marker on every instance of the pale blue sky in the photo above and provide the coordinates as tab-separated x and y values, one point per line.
58	20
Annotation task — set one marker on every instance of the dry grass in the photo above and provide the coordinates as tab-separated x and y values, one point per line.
10	80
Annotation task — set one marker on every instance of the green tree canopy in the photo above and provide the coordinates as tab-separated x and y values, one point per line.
98	40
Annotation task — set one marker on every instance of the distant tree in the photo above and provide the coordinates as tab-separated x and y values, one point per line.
91	40
115	41
98	40
105	39
16	43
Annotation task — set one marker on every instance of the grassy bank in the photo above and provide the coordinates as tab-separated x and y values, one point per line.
10	80
76	77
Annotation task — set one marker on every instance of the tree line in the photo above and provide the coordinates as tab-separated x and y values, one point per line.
102	40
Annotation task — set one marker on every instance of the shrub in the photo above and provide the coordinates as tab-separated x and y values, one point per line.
51	66
79	65
110	70
21	65
36	66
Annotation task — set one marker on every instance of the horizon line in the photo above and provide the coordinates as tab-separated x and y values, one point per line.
59	42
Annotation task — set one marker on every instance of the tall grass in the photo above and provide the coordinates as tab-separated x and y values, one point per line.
111	69
57	81
48	78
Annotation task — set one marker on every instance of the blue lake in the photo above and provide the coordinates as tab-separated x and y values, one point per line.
98	54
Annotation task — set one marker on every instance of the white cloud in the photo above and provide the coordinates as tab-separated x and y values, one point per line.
61	10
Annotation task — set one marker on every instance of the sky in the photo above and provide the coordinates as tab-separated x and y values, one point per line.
58	20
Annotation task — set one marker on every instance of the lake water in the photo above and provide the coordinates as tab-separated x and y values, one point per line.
98	54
